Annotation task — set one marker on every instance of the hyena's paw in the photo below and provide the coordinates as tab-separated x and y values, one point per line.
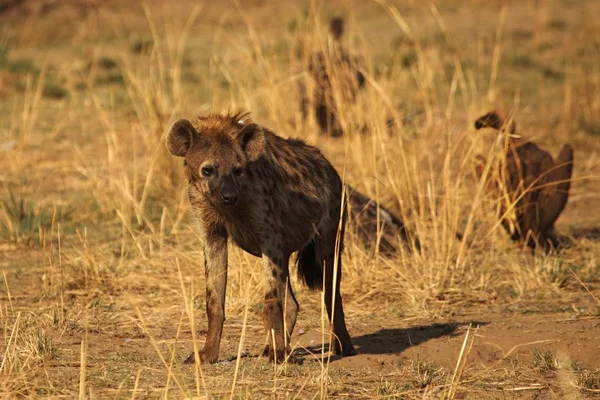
345	351
206	356
280	355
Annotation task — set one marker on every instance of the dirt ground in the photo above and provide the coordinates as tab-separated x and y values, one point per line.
528	349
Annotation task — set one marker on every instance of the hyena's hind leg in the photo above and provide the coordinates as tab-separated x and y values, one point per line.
333	301
320	253
554	195
332	246
290	311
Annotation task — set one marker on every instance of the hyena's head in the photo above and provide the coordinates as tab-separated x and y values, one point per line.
498	120
217	150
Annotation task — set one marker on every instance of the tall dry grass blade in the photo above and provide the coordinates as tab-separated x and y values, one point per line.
137	383
31	105
12	337
496	56
460	364
584	286
272	337
8	292
142	324
398	18
62	274
189	307
173	355
181	43
242	337
324	319
83	362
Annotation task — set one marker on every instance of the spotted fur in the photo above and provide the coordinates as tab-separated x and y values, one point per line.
334	75
271	197
534	183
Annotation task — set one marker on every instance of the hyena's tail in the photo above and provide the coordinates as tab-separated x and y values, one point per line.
310	269
498	120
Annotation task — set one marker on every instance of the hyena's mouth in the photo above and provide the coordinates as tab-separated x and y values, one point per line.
227	207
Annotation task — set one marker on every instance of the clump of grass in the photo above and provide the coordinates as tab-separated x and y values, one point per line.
107	63
408	59
19	66
424	373
41	345
590	127
551	73
588	380
544	360
53	90
514	372
20	220
115	78
292	25
141	45
22	66
391	390
521	34
557	25
4	47
521	60
555	270
585	379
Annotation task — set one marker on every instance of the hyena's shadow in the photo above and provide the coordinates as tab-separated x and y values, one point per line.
590	233
396	340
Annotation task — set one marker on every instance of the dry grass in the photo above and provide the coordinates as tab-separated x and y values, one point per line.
102	271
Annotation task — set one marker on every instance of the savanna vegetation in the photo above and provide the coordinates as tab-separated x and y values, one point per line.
102	280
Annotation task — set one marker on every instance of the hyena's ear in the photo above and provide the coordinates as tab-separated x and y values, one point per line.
252	140
181	137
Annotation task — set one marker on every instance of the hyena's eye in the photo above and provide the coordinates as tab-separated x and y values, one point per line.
208	171
238	171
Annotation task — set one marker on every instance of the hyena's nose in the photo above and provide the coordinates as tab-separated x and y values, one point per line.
229	198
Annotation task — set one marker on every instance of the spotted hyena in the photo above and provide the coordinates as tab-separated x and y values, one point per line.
535	187
334	76
272	197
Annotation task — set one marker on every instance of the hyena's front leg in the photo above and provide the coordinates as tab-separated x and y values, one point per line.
215	263
278	299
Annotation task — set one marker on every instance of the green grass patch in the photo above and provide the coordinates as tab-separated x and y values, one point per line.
408	59
141	45
521	61
107	63
115	78
522	34
21	66
551	73
591	128
20	220
53	90
557	25
544	360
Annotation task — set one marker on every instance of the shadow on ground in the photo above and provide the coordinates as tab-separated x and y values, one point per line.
396	340
591	233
